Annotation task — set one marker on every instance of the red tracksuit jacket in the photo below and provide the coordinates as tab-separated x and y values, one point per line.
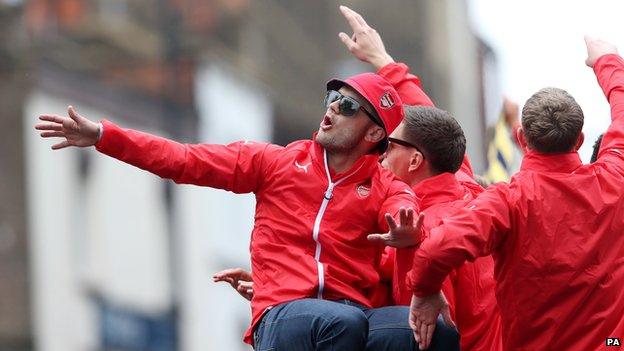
470	288
556	235
309	237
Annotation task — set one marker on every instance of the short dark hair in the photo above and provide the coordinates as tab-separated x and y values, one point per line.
552	121
438	136
594	155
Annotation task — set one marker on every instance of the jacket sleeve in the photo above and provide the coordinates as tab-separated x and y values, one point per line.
476	312
609	71
399	195
473	231
239	167
407	85
411	93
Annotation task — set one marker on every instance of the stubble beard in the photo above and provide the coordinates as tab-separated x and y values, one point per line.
339	144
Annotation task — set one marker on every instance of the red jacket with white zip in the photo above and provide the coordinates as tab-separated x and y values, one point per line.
555	232
309	237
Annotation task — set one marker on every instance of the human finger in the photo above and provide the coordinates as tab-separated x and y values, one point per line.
422	332
427	338
446	316
73	114
52	118
402	216
379	238
61	145
349	42
391	222
410	216
351	19
48	126
358	18
53	134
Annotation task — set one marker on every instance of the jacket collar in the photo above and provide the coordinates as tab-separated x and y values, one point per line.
441	188
561	163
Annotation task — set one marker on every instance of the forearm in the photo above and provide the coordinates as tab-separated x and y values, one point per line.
407	85
163	157
233	167
475	231
432	263
609	70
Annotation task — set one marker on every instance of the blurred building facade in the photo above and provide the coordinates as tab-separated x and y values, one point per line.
95	255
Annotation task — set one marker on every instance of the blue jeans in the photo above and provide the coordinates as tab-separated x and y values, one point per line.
312	324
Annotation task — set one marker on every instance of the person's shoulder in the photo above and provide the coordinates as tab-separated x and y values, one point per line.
385	176
390	182
299	145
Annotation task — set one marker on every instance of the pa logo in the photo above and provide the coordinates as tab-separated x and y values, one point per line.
613	342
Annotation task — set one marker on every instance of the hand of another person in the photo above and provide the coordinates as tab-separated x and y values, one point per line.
406	233
77	130
238	278
245	289
511	111
365	43
597	48
423	315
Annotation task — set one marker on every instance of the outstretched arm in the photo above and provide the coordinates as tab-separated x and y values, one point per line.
238	167
609	69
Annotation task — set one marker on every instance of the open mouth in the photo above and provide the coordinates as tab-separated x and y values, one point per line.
326	123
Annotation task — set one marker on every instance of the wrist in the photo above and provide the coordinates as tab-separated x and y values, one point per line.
382	61
100	132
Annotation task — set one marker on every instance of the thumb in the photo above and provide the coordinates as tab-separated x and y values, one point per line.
446	316
350	44
73	114
378	238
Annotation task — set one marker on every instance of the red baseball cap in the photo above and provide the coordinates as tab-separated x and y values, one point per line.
379	93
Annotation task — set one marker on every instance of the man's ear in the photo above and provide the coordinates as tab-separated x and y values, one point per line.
375	134
522	140
416	161
579	141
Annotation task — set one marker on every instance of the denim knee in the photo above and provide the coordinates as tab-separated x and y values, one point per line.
351	327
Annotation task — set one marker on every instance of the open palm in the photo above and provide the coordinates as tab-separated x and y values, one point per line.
77	130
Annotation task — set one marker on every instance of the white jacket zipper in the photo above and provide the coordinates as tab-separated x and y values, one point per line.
317	223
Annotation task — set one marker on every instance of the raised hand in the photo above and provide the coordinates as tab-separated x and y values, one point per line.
77	130
511	110
423	315
238	278
365	43
406	233
597	48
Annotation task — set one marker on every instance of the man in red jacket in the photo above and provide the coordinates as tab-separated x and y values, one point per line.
427	151
313	267
555	231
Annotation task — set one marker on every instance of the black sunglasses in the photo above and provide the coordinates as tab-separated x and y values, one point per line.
405	143
348	106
